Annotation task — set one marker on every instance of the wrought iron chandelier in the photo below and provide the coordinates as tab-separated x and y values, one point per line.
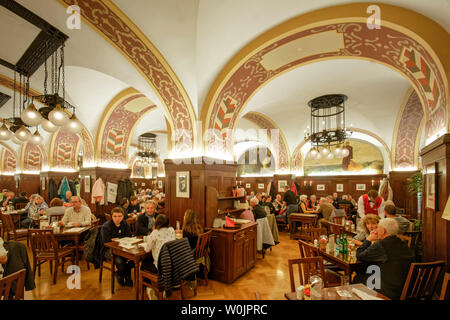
147	149
327	128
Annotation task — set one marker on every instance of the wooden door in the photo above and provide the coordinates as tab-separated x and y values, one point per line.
239	256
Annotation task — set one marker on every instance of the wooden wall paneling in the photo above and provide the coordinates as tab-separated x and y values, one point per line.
8	182
29	183
402	198
143	183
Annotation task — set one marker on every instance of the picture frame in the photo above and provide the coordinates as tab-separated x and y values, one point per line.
431	199
160	184
182	184
339	187
260	185
87	184
320	187
361	187
248	185
281	185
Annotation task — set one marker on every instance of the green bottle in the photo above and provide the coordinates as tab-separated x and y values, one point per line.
341	244
344	244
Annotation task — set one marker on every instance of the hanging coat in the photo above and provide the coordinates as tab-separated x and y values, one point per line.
72	187
63	188
297	185
52	189
294	188
273	191
77	187
98	192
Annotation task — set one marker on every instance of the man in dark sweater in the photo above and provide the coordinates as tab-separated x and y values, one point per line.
258	211
383	248
117	228
290	200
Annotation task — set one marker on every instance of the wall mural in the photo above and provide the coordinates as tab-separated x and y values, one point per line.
32	157
257	161
363	158
355	40
9	164
64	150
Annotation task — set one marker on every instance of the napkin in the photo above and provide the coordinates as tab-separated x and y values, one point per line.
365	296
229	222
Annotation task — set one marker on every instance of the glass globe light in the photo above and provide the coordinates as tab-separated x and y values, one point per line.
23	134
49	126
345	152
31	116
5	133
338	151
36	138
325	151
318	156
15	140
74	125
313	152
330	156
57	116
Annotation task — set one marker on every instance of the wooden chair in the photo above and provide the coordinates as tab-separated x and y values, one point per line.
45	248
331	279
302	231
406	239
11	231
306	268
445	282
202	251
315	233
132	223
7	283
347	209
337	220
336	229
422	280
20	206
55	218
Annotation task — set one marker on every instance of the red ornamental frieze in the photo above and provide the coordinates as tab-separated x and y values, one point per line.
88	147
283	151
118	130
407	132
118	32
64	150
384	45
9	162
32	158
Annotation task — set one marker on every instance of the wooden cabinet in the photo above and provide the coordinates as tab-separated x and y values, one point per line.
218	205
233	252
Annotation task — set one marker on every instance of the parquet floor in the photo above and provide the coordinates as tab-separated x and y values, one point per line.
269	276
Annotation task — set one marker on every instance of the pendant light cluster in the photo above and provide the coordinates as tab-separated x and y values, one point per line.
54	115
328	131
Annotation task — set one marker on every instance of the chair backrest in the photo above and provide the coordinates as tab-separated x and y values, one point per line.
315	233
42	241
406	239
6	284
8	223
345	207
107	216
202	247
306	268
422	280
338	220
307	250
19	206
337	228
445	282
55	217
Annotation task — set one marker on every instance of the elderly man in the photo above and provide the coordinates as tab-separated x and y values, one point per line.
383	248
326	208
68	198
258	211
403	223
77	215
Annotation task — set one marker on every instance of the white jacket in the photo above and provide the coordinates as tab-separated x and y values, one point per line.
98	192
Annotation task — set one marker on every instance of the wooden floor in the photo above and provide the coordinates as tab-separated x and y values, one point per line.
270	277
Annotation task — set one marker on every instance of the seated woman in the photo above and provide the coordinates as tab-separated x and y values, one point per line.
117	228
56	207
161	234
267	202
302	205
35	210
312	204
145	221
191	227
368	224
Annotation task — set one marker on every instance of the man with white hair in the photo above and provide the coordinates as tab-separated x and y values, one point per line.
391	254
77	215
258	211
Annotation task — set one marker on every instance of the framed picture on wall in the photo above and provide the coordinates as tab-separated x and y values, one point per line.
260	185
143	184
281	185
87	184
431	182
160	184
248	185
182	183
339	187
361	186
320	187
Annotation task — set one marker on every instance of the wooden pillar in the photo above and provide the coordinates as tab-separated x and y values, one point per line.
203	172
28	183
399	181
8	182
435	230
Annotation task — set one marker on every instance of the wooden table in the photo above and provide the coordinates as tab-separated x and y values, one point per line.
302	218
348	232
331	293
66	234
15	215
343	260
136	254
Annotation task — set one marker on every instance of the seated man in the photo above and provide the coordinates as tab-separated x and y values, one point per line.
258	211
325	210
113	229
146	221
336	200
77	215
278	204
21	199
124	204
9	199
134	205
67	200
383	248
403	223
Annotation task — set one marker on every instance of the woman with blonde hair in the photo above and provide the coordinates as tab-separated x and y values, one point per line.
191	227
368	224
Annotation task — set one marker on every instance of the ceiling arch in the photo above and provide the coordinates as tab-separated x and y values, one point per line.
394	45
109	21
